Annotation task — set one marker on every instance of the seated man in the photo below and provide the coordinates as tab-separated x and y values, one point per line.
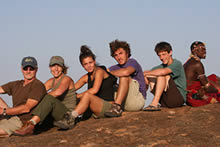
202	90
132	89
26	94
167	81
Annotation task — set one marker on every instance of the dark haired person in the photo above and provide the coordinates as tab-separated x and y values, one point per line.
167	80
26	94
201	90
131	92
100	93
61	98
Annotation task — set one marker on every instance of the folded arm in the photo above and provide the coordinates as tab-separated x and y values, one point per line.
157	72
123	72
26	108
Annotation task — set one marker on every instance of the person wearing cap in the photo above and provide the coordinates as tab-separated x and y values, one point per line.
61	98
25	93
201	90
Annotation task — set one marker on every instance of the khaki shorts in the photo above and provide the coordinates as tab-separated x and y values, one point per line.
135	100
10	125
106	106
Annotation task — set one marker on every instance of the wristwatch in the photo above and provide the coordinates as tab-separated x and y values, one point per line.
4	112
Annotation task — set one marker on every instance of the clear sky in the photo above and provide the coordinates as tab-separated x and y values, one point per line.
45	28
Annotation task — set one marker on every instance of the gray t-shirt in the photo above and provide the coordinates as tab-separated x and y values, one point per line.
137	75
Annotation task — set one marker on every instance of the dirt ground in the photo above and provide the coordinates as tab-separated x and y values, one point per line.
184	126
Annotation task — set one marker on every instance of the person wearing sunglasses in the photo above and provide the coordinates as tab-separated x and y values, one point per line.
61	98
26	94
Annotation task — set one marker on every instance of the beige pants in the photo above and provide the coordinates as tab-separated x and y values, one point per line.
10	125
134	100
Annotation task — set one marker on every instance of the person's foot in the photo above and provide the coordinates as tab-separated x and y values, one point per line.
114	111
4	135
68	121
26	129
152	108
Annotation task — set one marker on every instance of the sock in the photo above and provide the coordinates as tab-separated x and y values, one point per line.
75	114
33	122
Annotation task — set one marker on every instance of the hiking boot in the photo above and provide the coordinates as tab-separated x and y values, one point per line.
114	111
68	121
26	129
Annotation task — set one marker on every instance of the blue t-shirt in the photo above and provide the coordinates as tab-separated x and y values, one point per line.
137	75
178	75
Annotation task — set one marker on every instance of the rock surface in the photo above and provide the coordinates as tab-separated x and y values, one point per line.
184	126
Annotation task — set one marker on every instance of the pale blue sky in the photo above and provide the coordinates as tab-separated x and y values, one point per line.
44	28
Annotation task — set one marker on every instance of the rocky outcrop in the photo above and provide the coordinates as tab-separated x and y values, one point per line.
185	126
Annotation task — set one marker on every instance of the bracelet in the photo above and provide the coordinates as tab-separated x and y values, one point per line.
4	112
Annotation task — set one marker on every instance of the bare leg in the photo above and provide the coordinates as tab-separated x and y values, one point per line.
160	86
3	103
122	89
36	119
89	100
3	133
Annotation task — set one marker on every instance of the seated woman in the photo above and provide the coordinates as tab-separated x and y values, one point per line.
100	93
61	97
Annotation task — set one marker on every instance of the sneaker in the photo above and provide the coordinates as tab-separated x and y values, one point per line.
26	129
114	111
68	121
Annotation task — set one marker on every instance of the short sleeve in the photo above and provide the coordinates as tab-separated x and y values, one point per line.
175	67
8	88
37	91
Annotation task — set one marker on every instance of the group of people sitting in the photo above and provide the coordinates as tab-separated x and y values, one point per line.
172	84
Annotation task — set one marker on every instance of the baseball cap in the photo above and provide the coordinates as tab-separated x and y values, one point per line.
56	60
29	61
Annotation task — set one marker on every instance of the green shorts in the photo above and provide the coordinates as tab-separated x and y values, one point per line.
106	106
10	125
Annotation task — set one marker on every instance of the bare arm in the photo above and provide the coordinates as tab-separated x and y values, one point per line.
203	79
64	85
1	90
82	81
123	72
48	84
3	104
22	108
158	72
99	76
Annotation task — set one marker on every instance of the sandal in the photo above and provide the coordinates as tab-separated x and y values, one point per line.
152	108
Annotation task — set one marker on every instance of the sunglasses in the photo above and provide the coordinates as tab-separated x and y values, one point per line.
28	67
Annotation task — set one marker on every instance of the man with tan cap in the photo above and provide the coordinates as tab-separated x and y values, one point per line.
26	94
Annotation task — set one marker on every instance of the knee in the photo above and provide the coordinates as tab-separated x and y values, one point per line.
159	78
124	79
86	95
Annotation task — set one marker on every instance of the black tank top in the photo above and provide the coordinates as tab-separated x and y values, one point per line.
106	90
